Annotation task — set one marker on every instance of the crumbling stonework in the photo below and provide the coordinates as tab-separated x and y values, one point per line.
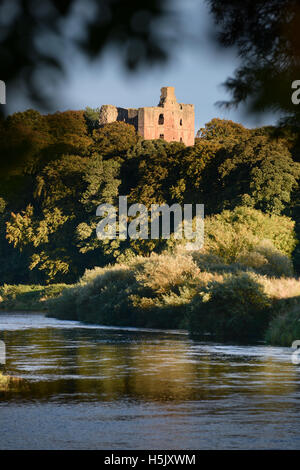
169	120
108	113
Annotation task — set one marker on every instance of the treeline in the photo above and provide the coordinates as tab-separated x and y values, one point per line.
65	166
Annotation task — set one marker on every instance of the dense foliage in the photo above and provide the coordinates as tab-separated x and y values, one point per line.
240	285
68	165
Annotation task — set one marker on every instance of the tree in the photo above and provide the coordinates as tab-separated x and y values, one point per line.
233	233
102	184
222	129
187	185
25	230
57	230
266	36
114	139
31	139
148	172
92	118
255	172
69	132
46	227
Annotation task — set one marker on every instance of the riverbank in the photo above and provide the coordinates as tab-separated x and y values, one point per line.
167	292
239	287
28	298
193	291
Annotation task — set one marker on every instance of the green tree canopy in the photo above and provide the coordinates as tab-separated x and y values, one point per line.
114	139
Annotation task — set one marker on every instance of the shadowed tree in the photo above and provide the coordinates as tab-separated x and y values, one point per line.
266	36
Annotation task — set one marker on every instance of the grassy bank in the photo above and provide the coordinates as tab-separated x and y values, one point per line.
182	290
28	297
191	290
240	286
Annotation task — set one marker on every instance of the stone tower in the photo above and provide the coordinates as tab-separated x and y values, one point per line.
169	120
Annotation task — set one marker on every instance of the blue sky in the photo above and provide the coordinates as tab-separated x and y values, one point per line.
196	70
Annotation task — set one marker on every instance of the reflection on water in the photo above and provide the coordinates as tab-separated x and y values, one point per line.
91	387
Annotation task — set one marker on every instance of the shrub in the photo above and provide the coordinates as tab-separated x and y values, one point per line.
102	296
232	233
148	292
235	308
106	299
194	290
166	272
266	259
284	328
64	306
91	274
215	264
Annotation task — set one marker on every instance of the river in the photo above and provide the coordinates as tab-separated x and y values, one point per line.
91	387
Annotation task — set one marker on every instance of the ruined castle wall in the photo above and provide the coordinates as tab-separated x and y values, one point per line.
169	120
186	129
109	113
128	115
175	122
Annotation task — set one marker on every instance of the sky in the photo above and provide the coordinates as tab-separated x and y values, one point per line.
196	70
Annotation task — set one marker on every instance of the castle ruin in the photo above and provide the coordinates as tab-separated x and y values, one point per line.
169	120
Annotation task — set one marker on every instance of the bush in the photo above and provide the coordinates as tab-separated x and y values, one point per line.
148	292
215	264
280	289
266	259
166	272
285	328
194	290
233	233
235	308
101	297
64	306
